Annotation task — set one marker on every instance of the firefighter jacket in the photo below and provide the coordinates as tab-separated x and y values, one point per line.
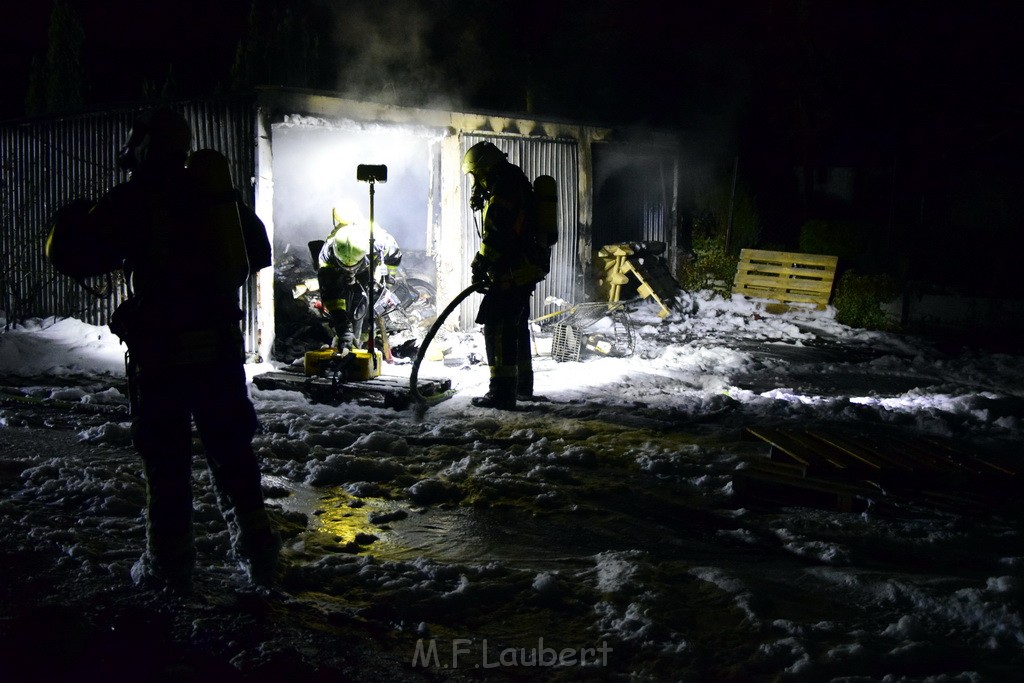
184	251
513	251
337	280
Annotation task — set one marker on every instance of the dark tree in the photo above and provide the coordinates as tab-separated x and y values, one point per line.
58	83
153	93
282	46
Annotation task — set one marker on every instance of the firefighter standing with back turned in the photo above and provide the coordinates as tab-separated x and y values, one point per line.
513	257
186	244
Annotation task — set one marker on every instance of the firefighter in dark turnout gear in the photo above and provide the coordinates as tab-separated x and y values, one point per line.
343	271
513	257
186	244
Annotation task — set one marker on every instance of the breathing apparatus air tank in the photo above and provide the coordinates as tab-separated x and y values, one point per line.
221	258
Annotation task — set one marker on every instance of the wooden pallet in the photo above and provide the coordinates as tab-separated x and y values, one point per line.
785	277
775	482
384	391
842	470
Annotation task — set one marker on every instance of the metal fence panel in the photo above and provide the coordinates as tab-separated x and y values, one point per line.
48	162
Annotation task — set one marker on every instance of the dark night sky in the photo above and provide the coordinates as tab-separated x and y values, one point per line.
925	94
845	75
127	42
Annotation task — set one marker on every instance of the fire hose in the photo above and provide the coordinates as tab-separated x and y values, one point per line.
420	399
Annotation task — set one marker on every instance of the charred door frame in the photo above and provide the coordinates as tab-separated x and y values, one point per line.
650	173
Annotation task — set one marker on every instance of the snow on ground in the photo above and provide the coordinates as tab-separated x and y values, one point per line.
598	535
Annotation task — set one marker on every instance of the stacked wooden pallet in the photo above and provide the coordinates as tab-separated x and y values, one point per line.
847	470
620	262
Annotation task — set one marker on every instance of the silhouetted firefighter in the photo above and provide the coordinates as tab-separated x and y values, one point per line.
186	244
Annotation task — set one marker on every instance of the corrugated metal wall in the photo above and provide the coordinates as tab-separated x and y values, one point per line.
558	159
642	207
48	162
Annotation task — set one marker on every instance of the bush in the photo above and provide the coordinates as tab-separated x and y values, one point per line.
714	221
711	267
859	299
858	244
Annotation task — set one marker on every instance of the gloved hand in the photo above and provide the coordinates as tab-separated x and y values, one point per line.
502	281
344	341
479	269
339	351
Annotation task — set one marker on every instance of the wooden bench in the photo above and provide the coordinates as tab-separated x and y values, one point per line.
785	276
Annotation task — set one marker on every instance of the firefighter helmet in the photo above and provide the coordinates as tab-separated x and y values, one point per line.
158	136
481	158
346	212
350	243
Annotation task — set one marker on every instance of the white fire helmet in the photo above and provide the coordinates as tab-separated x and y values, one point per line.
351	243
346	211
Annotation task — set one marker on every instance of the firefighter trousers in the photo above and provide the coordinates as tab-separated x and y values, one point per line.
215	395
505	315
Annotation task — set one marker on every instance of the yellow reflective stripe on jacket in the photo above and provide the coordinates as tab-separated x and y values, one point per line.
335	304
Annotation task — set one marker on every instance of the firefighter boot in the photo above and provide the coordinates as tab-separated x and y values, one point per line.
166	565
170	555
524	383
501	394
502	359
524	386
524	360
257	546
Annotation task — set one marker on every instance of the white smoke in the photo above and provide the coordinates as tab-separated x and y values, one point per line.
385	55
315	171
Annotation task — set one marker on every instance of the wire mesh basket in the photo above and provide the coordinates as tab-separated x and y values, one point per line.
567	343
592	327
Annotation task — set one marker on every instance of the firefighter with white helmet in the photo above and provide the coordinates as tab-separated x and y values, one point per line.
343	271
513	257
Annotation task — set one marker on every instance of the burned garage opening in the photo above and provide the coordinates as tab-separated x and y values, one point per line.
634	194
315	186
293	157
635	200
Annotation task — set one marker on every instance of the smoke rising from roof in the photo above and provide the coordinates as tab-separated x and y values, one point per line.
385	56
